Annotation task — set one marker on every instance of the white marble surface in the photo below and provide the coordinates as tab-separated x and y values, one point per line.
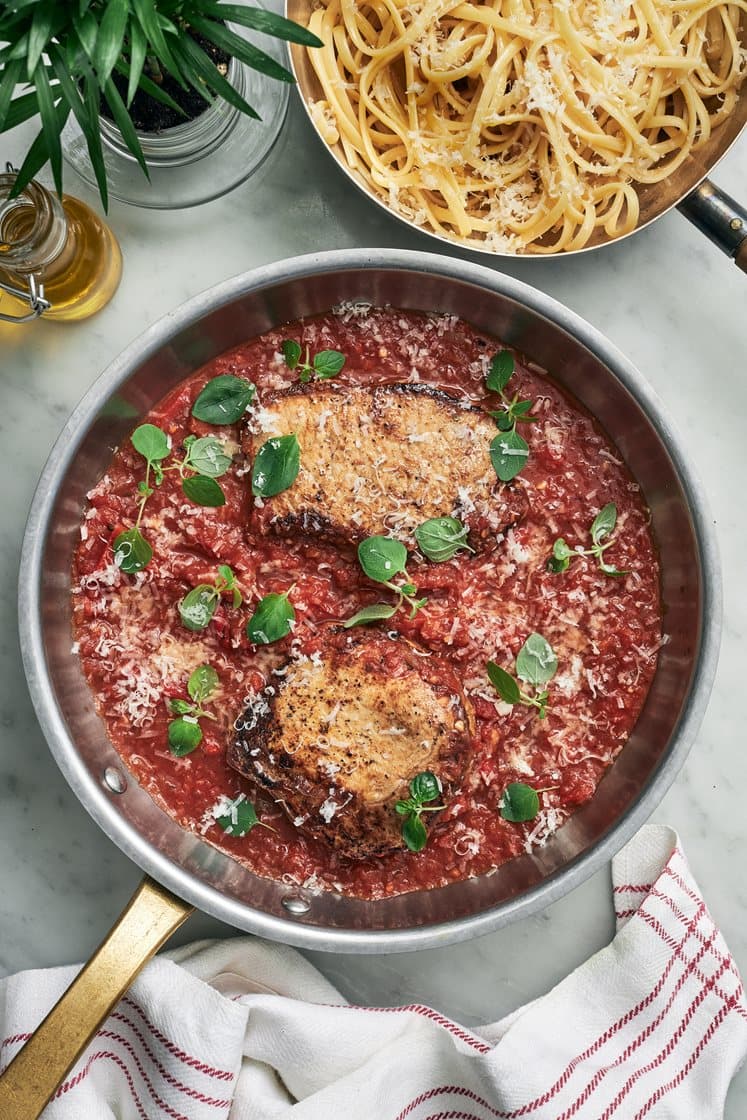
666	297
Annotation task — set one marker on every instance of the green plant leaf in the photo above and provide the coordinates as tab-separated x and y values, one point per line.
198	606
132	552
536	662
376	612
240	818
150	442
124	123
10	77
425	787
328	363
184	736
150	87
52	122
138	49
21	109
224	400
561	557
203	491
382	558
39	35
260	20
202	683
180	707
271	620
239	48
87	30
110	37
504	684
501	369
147	17
508	454
276	466
197	65
89	125
604	523
519	803
440	538
291	352
413	833
207	456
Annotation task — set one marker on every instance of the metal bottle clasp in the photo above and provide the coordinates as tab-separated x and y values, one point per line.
34	296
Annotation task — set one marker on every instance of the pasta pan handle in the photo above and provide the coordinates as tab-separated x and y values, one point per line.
31	1079
720	218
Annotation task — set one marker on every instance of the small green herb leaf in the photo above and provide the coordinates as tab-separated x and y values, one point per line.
504	684
382	558
404	807
501	368
224	400
185	735
611	570
441	537
276	466
328	363
519	803
150	442
291	352
132	552
240	818
198	606
180	707
425	787
508	454
271	620
207	456
202	683
203	491
376	612
536	662
604	523
413	833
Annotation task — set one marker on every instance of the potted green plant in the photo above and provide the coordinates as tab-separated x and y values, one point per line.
85	58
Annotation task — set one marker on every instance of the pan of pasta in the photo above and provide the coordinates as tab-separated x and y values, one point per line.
531	127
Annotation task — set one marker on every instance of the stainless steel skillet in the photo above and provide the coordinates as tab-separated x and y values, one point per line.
182	869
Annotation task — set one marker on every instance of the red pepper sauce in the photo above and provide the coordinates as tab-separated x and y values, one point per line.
605	631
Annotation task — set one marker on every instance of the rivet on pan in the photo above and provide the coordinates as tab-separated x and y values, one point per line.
736	223
295	905
114	780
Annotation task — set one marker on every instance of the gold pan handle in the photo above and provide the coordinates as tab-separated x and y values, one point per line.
31	1079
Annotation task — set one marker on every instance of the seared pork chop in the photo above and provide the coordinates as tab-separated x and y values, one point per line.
383	459
338	740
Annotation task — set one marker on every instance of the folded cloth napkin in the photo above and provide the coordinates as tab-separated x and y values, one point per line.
654	1025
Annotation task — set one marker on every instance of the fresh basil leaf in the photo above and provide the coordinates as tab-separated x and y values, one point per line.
198	606
291	352
425	787
561	557
604	523
271	620
150	442
504	684
375	613
226	574
521	408
519	803
536	663
184	736
416	606
413	833
501	368
240	818
276	466
202	683
611	570
180	707
328	363
404	807
508	454
224	400
503	419
441	537
207	456
382	558
203	491
132	552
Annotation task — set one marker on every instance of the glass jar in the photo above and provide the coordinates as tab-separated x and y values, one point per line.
57	257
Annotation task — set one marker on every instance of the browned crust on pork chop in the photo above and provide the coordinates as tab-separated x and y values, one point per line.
383	459
342	734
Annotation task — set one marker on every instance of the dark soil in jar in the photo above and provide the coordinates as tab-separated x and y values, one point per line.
149	115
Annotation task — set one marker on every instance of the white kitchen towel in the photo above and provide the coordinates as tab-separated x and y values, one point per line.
654	1025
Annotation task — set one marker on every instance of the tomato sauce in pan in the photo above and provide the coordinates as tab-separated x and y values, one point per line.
605	631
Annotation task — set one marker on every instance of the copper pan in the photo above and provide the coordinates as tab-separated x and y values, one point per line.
688	188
